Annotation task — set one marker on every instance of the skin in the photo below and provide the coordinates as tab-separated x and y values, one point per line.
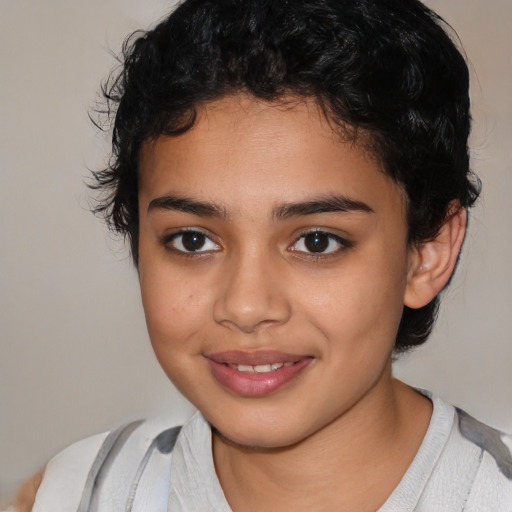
342	434
25	497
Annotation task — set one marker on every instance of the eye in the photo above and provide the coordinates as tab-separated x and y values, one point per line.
190	241
319	242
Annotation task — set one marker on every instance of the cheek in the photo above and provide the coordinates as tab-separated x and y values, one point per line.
360	307
175	307
175	317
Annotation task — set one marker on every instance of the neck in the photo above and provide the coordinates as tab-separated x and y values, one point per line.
354	463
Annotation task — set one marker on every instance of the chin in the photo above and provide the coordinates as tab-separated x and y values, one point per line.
263	432
258	441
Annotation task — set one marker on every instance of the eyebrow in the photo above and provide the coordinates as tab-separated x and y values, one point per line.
324	204
327	204
188	205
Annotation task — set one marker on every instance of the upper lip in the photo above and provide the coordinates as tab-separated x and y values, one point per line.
254	358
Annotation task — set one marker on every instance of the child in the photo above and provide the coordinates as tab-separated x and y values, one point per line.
293	179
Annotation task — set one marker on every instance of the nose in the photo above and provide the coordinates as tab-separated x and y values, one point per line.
251	296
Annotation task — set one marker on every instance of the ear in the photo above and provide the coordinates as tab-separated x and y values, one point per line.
432	263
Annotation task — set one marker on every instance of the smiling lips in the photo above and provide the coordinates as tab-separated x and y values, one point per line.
256	373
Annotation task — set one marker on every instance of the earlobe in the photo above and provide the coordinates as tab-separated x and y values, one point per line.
432	264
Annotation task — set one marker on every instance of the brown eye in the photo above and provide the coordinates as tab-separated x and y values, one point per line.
191	242
316	242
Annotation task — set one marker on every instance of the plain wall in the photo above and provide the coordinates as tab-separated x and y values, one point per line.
75	357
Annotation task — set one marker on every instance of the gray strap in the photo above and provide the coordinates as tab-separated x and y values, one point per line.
164	442
487	438
109	449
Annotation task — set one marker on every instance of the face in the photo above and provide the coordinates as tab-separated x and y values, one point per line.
273	266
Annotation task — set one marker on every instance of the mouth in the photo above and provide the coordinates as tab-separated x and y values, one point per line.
259	368
256	373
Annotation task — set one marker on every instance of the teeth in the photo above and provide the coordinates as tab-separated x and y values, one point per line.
263	368
245	368
260	368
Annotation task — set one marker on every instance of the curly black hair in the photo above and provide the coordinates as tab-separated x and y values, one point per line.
383	68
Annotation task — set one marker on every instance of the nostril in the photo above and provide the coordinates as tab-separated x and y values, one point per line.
248	298
248	327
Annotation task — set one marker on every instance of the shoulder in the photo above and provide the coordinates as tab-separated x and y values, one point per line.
104	467
469	464
490	440
492	483
66	474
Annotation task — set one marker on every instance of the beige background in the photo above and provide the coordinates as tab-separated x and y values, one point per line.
75	358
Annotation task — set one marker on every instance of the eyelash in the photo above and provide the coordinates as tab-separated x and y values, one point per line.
342	244
168	242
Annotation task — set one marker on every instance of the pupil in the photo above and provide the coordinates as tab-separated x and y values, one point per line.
192	241
316	242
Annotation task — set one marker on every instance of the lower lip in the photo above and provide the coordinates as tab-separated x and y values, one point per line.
256	384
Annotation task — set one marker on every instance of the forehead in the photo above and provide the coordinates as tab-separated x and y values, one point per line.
244	150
